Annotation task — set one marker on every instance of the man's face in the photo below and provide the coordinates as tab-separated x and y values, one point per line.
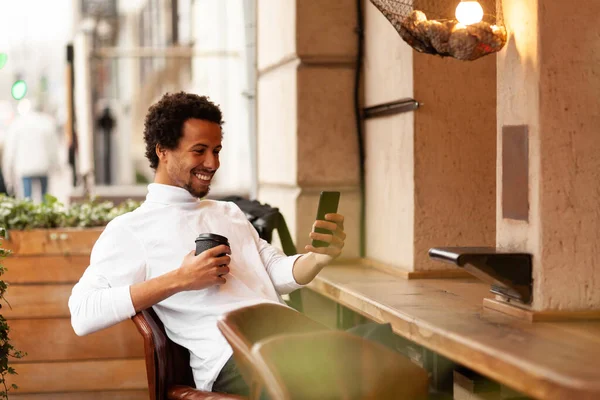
194	162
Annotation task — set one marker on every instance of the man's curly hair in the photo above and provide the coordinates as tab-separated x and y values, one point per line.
165	119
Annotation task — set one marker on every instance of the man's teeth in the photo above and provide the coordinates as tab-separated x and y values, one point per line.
203	177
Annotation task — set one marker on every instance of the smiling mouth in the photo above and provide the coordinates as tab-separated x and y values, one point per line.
204	178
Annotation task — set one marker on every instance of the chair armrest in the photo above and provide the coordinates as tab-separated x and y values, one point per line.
189	393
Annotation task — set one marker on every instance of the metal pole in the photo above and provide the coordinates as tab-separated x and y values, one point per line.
107	157
174	22
70	137
107	123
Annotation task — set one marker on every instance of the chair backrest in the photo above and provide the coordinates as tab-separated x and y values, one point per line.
247	326
265	220
167	363
336	365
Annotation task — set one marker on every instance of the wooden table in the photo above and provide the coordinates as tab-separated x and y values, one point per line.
559	360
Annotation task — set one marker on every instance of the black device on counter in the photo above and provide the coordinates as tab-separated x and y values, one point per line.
328	204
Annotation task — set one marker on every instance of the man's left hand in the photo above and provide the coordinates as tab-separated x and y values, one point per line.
335	224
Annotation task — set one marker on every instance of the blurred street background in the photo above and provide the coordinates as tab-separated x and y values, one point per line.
91	68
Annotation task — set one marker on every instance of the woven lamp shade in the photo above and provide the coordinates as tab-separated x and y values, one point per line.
429	26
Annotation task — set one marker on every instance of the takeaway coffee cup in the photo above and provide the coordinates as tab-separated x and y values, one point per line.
206	241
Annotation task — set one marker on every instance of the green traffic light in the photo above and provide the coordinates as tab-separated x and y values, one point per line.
3	60
18	90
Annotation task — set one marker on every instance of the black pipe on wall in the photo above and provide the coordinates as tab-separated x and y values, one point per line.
359	122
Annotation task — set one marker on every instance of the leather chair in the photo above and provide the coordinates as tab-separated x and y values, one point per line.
336	365
168	364
245	327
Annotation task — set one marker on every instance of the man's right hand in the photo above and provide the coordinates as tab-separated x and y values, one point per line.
206	269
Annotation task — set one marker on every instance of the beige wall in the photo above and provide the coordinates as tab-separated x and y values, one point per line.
306	132
431	173
549	79
454	154
518	104
570	155
388	76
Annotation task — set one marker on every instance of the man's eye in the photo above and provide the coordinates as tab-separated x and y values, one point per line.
199	152
216	153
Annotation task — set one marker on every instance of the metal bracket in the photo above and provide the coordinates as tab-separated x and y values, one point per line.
391	108
509	274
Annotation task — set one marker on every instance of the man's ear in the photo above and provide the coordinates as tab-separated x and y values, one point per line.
160	152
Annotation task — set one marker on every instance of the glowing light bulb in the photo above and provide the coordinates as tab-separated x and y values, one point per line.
469	12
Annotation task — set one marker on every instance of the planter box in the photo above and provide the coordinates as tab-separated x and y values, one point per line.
42	269
48	255
47	242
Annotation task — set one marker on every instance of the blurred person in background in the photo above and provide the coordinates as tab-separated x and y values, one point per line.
30	151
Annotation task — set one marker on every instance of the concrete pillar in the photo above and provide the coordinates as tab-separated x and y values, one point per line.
306	127
548	85
129	84
430	173
222	77
83	111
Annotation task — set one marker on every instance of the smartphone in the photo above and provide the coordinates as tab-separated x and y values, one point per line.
328	204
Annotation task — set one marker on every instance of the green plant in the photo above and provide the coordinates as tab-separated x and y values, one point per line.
7	350
25	214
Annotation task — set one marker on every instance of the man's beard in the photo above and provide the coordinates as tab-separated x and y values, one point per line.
196	193
175	173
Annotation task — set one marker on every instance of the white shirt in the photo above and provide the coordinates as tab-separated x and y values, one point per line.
153	240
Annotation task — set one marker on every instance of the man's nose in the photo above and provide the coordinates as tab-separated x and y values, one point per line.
211	162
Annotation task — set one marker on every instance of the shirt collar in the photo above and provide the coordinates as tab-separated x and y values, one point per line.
168	194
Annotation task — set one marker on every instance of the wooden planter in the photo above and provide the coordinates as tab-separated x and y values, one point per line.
42	270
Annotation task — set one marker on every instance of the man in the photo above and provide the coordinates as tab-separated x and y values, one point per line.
146	258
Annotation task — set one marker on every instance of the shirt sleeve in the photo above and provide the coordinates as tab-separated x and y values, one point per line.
101	298
279	266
